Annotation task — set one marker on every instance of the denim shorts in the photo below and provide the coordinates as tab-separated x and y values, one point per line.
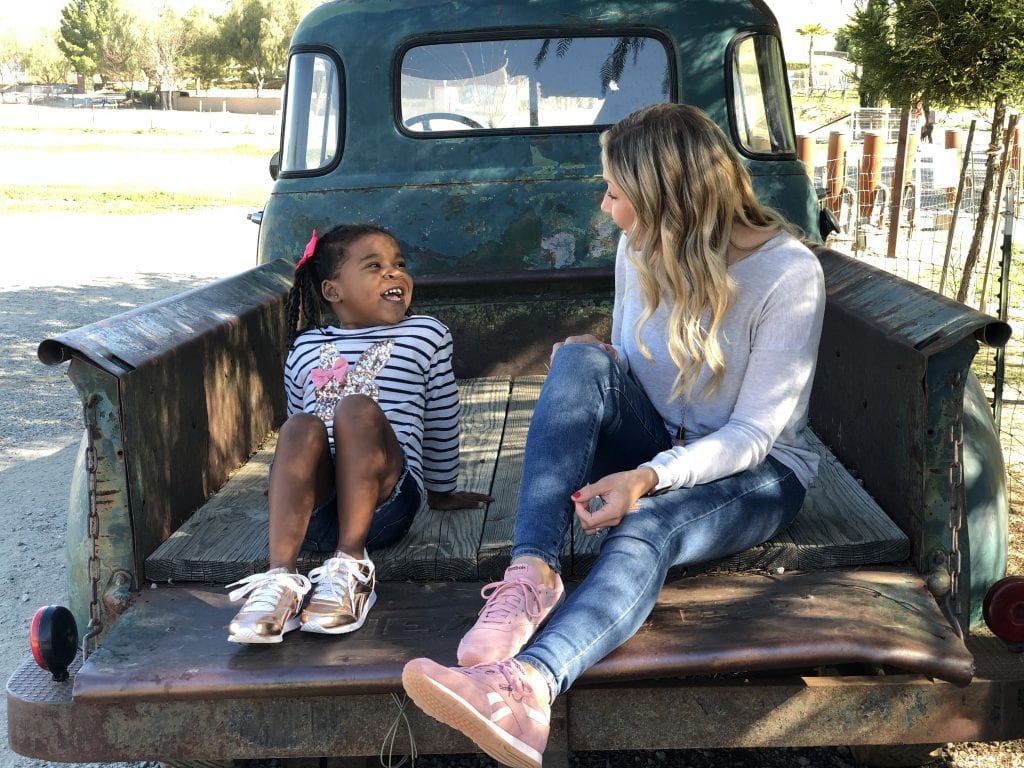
391	520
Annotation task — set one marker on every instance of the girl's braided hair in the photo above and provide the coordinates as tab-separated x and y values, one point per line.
306	307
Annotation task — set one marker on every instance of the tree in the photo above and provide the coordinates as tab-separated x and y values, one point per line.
43	61
255	34
203	60
953	54
164	51
811	31
83	30
870	23
123	48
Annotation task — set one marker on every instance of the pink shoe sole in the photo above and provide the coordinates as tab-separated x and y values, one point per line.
449	708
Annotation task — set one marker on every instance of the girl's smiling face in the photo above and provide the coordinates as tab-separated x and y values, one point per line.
616	206
371	286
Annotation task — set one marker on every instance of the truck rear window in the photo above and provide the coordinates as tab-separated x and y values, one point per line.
507	85
760	111
312	114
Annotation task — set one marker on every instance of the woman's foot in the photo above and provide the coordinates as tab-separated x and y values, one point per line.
516	607
502	707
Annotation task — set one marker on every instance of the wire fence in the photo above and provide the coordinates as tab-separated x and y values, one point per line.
919	224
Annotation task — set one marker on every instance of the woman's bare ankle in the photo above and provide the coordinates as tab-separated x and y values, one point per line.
537	682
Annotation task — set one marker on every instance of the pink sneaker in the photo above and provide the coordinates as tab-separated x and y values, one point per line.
492	704
516	607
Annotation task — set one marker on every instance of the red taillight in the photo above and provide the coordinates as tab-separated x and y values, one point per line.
33	638
1003	610
53	638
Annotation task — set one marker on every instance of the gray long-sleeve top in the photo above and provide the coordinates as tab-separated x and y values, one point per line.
769	340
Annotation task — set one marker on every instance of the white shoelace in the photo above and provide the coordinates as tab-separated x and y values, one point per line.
506	597
338	577
264	589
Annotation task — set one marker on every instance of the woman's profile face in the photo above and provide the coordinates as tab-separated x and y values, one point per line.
616	206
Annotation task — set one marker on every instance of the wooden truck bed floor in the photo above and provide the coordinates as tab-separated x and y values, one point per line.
839	525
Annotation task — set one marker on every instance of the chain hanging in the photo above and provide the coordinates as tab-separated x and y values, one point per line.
956	516
91	467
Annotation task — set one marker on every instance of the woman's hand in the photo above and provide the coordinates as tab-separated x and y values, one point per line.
586	339
457	500
619	491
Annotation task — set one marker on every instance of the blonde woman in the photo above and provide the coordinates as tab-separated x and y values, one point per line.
679	442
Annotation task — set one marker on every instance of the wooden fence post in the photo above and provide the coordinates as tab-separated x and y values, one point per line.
870	173
952	141
835	170
805	151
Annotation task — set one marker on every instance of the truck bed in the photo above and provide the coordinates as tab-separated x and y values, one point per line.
826	635
226	539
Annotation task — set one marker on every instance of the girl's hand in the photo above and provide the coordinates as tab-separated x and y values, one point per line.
619	491
585	339
457	500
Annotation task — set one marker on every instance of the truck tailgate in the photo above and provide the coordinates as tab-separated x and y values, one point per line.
170	650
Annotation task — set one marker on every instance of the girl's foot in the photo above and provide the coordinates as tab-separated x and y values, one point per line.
343	596
272	608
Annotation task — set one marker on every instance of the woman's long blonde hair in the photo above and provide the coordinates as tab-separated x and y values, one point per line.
688	188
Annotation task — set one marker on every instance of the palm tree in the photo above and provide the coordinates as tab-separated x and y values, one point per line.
812	31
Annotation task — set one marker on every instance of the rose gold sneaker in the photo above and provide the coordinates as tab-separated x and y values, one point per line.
343	596
275	598
492	704
516	607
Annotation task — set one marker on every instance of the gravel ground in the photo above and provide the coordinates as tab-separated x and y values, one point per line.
66	270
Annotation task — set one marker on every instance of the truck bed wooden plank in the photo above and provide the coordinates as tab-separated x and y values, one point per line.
840	524
172	643
443	545
227	538
496	541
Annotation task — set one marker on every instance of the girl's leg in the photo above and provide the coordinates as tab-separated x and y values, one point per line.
368	464
681	527
589	413
302	477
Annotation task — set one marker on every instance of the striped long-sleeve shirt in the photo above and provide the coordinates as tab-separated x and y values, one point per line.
411	369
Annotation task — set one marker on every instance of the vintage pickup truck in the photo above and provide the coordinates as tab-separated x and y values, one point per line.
470	129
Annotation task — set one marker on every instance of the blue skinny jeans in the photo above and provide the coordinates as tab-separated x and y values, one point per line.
593	419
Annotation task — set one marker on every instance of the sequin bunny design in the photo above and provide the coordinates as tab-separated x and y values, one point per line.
333	378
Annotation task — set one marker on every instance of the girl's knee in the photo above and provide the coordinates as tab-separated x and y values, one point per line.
303	426
302	434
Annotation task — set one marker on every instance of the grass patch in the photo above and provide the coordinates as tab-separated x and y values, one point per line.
123	200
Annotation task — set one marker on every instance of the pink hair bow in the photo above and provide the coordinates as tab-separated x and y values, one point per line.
307	254
321	376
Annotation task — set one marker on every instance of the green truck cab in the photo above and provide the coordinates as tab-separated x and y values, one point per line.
470	130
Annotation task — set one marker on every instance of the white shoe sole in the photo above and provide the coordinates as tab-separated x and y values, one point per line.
251	637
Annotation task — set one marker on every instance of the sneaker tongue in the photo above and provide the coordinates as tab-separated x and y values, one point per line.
521	571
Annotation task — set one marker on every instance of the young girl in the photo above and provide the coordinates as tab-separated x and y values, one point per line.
687	428
373	419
